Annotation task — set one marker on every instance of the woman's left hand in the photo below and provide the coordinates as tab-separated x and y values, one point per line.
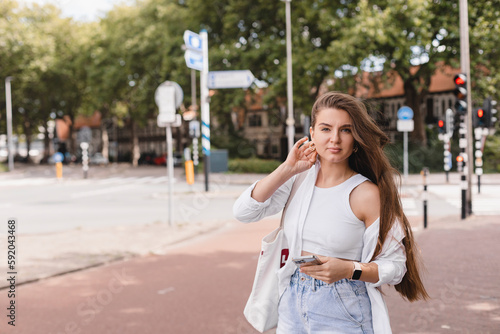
331	270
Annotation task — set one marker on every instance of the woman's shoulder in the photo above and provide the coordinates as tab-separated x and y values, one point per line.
365	202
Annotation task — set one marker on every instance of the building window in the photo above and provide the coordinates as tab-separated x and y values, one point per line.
255	120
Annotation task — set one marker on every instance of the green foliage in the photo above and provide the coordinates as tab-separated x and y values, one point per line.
491	154
419	156
114	65
253	165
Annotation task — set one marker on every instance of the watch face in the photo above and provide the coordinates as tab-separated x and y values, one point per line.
357	274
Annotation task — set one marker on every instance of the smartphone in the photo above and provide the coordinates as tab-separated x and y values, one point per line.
307	260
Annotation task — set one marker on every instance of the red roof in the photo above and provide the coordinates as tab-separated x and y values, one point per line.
441	81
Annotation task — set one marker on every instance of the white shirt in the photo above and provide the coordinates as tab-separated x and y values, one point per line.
391	261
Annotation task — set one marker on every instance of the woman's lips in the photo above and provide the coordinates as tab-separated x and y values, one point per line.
334	149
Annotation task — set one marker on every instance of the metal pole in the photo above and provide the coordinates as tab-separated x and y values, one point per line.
465	68
291	119
8	101
194	106
405	154
193	90
205	108
462	143
170	173
424	173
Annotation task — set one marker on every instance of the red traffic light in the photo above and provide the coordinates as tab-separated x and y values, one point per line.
460	79
440	123
460	158
480	113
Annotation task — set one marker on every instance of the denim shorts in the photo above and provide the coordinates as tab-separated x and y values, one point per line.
311	306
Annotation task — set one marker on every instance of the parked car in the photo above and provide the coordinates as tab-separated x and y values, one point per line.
162	160
147	158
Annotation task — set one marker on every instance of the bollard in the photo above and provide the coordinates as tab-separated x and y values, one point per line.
85	158
59	170
189	172
424	173
58	159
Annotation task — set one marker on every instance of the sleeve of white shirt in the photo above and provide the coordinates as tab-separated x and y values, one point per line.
246	209
392	259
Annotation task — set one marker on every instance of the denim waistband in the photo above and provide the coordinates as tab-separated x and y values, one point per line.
303	279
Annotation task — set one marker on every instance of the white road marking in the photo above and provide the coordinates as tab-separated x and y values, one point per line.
165	291
99	192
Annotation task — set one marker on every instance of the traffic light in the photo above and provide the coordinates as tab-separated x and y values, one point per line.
441	126
461	93
460	163
479	118
490	111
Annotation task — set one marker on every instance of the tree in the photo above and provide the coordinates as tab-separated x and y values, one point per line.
414	40
139	47
39	51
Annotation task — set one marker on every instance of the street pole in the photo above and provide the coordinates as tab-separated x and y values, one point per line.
205	108
405	155
170	172
424	173
465	68
194	108
290	122
8	102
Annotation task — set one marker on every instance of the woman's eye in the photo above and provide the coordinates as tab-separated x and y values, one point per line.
325	129
346	130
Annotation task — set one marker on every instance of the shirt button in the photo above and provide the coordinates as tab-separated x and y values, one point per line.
302	278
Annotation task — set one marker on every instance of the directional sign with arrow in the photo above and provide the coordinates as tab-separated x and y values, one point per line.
230	79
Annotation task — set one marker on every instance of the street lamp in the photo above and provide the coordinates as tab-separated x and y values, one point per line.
290	122
8	102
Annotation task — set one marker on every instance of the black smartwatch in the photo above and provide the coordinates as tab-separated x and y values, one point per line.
356	274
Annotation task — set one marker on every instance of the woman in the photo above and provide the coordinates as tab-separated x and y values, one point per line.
348	213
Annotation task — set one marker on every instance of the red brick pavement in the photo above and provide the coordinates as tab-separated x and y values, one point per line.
461	258
462	262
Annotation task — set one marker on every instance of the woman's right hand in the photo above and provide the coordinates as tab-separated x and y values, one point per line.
301	158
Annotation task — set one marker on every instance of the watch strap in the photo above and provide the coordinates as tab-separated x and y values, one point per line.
356	273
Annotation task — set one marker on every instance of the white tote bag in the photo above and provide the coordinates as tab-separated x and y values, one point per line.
261	309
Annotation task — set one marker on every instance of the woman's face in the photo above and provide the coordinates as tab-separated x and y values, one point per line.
332	135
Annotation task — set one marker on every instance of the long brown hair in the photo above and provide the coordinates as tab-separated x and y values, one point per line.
371	161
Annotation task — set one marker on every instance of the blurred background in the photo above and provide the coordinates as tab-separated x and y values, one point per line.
88	71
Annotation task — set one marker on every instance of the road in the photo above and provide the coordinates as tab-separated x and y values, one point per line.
44	205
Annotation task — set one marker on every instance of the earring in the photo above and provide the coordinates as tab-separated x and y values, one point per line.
312	146
355	149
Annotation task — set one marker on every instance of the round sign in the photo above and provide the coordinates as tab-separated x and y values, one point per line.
58	157
405	113
179	95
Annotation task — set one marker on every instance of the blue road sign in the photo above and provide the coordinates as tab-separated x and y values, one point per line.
58	157
405	113
192	41
194	60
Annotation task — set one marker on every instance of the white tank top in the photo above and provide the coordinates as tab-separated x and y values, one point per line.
331	228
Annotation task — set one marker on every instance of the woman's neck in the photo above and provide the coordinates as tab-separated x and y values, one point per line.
331	175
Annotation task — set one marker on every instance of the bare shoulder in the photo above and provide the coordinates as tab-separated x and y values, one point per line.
365	202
